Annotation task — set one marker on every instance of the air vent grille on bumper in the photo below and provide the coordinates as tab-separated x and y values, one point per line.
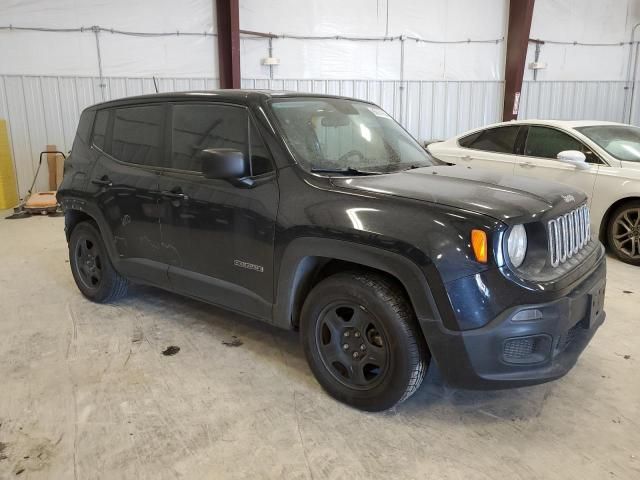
531	349
568	234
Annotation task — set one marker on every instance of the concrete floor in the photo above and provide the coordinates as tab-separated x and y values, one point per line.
85	392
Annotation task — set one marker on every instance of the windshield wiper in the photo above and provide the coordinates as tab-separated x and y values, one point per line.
344	171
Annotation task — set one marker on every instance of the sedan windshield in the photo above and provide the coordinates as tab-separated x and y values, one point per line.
346	137
620	141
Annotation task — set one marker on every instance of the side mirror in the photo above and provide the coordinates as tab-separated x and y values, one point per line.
575	158
223	163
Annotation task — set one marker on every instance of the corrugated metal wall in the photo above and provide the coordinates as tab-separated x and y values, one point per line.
574	100
44	110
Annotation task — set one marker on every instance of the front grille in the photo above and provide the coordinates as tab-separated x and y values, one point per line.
568	234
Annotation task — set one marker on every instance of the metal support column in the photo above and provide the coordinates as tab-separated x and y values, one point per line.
228	16
520	15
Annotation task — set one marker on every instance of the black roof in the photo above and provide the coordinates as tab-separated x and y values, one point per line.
235	96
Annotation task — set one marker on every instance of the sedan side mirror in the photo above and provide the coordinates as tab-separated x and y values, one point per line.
223	163
575	158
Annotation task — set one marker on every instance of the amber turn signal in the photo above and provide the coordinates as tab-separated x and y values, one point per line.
479	244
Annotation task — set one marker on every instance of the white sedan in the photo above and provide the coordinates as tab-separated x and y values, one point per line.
601	158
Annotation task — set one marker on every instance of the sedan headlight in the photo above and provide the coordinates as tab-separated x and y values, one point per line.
517	245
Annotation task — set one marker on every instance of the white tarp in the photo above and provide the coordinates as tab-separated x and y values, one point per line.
583	21
337	59
74	53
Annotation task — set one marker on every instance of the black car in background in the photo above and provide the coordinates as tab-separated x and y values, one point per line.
322	214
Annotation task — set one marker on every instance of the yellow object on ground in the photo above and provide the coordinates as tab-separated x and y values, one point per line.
8	191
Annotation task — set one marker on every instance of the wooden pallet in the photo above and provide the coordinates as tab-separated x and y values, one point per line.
42	202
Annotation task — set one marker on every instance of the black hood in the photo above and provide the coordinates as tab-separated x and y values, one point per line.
508	198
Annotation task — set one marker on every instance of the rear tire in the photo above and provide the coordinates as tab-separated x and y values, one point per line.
623	232
91	267
362	342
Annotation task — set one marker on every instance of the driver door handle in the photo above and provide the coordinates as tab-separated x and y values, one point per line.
526	165
104	181
174	195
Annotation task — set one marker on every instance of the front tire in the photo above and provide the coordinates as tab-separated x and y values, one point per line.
362	342
623	232
91	267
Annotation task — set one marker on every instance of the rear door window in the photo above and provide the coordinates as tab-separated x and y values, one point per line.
100	129
499	139
138	135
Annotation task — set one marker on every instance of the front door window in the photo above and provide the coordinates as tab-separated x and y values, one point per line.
543	142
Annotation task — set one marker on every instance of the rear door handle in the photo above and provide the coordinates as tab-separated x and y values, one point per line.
104	182
174	195
466	158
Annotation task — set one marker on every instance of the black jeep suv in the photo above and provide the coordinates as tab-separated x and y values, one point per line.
322	214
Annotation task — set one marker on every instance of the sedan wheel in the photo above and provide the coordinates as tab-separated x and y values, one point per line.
624	233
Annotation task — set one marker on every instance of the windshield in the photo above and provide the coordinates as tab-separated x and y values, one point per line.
620	141
342	136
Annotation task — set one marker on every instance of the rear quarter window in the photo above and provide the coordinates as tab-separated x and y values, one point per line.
84	126
498	140
100	129
469	139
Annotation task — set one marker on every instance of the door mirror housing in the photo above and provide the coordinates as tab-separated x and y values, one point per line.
575	158
223	163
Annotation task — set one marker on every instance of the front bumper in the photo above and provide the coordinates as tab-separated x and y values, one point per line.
534	347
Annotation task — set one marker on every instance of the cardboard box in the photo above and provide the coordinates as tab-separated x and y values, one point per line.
55	163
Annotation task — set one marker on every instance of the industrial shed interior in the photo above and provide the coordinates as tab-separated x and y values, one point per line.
159	384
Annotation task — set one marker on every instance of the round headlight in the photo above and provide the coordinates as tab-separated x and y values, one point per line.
517	245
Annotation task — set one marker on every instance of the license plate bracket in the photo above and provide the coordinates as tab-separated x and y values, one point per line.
597	304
